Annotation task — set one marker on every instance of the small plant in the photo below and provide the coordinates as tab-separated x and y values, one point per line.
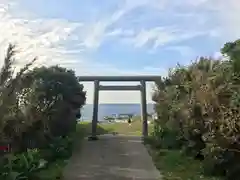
60	148
22	166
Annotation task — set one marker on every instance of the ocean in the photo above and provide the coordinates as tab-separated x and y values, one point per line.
109	109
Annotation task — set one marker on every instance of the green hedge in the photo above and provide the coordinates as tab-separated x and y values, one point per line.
198	106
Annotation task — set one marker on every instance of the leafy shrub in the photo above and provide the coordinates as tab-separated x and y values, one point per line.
199	112
38	108
37	104
56	95
22	166
167	139
60	148
221	162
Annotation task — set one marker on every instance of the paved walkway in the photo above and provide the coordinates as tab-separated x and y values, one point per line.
113	157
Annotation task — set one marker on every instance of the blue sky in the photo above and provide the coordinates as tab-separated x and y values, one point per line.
118	37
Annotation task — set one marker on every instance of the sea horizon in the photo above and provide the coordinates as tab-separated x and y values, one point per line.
108	109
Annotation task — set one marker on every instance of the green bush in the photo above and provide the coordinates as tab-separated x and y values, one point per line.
38	110
58	96
22	166
222	162
198	107
167	139
60	148
32	164
37	104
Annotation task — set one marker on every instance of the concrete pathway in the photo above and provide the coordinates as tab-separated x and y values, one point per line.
113	157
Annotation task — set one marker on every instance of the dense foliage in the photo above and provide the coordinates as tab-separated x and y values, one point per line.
198	109
38	110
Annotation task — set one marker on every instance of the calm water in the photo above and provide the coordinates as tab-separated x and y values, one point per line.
109	109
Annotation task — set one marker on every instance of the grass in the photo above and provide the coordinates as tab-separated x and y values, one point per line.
54	171
84	128
123	128
174	165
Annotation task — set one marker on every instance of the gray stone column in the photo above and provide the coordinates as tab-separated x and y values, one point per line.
95	111
144	109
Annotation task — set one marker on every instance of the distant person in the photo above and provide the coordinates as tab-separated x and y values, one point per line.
129	121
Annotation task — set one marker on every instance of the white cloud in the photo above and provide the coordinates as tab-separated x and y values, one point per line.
160	36
95	36
225	13
121	32
58	41
98	31
185	51
213	18
155	4
217	55
36	37
48	38
229	13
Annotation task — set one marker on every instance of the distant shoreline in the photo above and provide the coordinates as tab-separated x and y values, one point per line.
107	109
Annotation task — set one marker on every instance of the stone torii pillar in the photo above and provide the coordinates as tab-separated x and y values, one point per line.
95	111
144	109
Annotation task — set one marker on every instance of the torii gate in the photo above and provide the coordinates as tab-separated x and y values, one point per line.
98	87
